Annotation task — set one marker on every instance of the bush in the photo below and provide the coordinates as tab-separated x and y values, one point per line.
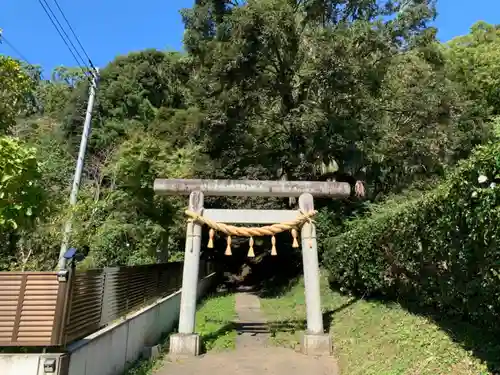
440	247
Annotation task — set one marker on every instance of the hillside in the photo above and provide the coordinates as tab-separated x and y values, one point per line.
265	89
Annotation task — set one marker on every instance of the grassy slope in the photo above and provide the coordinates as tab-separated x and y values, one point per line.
372	338
213	323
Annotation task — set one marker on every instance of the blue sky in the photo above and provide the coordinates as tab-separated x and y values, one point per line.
113	27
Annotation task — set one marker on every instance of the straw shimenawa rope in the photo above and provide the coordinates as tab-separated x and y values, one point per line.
268	230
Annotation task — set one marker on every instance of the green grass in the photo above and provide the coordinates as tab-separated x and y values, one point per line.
149	366
213	323
372	338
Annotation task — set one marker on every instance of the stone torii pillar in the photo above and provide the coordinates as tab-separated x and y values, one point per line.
315	341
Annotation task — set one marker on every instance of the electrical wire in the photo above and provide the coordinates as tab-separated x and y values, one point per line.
61	28
3	39
74	34
78	62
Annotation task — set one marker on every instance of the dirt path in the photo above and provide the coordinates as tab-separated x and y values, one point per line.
253	354
251	323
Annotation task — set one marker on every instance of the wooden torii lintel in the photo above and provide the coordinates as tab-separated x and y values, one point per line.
252	188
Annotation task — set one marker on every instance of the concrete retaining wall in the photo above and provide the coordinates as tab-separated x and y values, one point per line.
110	350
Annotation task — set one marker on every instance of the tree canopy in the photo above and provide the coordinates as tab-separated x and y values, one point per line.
269	89
15	85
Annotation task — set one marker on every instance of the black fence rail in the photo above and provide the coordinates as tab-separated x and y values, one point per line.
100	297
128	288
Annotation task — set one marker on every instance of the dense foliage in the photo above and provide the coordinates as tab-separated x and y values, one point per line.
441	247
19	175
21	197
474	59
14	87
269	89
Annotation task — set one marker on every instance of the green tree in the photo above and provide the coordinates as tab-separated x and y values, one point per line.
21	197
268	89
15	85
54	94
120	217
20	193
288	86
474	62
136	91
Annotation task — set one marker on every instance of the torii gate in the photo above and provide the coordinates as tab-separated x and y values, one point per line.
315	341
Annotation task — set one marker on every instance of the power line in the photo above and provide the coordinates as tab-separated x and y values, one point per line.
47	7
4	39
78	62
74	34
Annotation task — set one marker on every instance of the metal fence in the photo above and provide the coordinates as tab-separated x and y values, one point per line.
85	304
37	309
99	297
30	303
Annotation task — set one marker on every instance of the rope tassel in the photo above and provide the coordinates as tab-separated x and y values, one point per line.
251	254
228	248
294	235
273	248
211	234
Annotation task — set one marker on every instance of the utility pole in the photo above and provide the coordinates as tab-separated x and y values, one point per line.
79	169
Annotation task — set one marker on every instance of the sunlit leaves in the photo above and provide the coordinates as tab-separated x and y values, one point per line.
20	193
15	84
474	61
127	223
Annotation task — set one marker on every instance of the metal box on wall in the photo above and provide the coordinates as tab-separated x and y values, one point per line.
34	364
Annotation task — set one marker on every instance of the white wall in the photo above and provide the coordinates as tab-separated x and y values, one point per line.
28	364
108	351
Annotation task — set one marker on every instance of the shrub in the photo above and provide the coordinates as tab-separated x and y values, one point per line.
439	247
